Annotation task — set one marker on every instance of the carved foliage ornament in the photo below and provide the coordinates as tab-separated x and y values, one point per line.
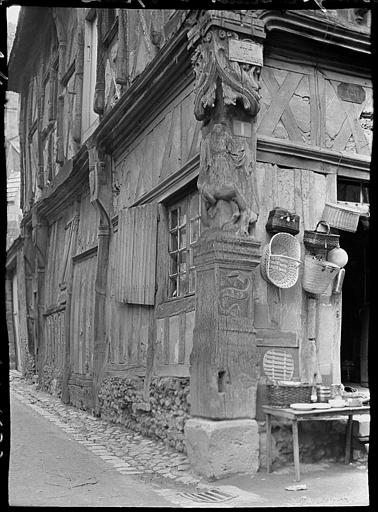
239	80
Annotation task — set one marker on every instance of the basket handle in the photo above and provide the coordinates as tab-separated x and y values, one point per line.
325	224
287	257
329	266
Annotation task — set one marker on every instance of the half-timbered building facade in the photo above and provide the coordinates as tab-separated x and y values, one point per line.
141	131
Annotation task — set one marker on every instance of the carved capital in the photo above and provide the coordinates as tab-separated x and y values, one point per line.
232	62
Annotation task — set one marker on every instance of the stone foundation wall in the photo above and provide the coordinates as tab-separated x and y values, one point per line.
80	388
50	380
29	368
318	440
163	416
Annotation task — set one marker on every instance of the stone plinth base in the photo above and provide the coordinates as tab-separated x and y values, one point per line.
217	449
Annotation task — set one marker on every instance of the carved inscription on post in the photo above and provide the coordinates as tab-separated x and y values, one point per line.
234	293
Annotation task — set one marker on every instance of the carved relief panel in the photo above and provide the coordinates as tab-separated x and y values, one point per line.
234	294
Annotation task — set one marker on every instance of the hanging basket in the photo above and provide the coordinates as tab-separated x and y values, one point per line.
320	242
282	221
341	217
280	260
318	274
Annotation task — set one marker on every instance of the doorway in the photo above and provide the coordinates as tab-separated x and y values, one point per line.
355	306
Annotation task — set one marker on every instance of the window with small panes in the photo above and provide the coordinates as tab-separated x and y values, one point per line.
352	191
184	230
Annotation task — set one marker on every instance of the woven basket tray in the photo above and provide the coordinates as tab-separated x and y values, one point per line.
283	396
341	217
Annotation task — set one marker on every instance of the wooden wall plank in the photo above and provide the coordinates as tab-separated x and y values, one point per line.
181	345
166	341
174	333
189	327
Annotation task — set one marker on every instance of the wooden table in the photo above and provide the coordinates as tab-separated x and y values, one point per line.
313	414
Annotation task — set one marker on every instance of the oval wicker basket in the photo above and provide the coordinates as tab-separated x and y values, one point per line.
319	242
280	260
283	396
341	217
318	274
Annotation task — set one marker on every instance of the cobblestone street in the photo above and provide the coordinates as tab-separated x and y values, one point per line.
127	451
167	473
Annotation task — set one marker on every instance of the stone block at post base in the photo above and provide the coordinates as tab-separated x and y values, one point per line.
217	449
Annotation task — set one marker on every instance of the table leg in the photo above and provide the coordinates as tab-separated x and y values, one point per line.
296	450
268	442
348	443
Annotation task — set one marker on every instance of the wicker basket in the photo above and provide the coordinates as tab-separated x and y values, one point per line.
320	242
318	274
282	221
280	260
341	217
284	395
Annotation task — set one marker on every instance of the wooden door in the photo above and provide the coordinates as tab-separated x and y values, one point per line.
82	310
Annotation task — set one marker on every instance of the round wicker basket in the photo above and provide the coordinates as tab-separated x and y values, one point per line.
280	260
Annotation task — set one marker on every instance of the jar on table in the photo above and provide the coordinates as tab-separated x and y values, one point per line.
323	393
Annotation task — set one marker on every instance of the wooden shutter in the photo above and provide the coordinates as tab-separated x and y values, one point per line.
136	253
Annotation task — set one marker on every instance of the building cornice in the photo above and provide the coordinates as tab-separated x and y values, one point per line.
317	28
65	186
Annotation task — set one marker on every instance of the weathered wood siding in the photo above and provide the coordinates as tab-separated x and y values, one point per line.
55	262
300	103
174	341
145	35
55	339
171	140
127	325
285	311
88	223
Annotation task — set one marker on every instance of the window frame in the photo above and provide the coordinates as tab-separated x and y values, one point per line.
363	185
175	248
89	118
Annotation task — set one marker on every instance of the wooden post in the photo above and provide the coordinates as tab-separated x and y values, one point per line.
294	426
67	319
100	198
224	360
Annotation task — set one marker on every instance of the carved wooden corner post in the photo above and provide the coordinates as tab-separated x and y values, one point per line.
224	363
100	197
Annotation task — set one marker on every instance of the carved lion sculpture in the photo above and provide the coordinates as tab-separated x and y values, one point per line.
223	175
